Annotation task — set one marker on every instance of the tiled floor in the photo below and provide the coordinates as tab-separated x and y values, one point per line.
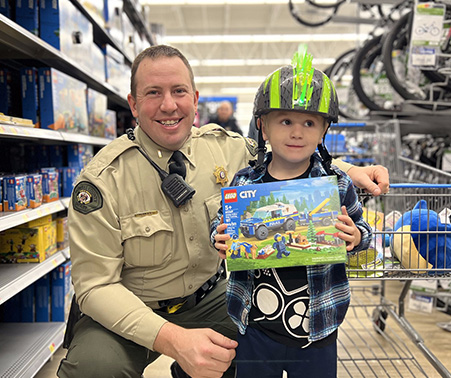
362	351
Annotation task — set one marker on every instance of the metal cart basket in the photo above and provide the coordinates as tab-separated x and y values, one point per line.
376	350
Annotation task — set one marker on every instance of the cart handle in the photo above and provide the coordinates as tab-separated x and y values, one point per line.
409	185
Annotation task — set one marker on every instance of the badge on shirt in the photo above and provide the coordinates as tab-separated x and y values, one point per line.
86	198
221	175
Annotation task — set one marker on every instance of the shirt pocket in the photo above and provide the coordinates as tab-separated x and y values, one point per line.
147	238
212	204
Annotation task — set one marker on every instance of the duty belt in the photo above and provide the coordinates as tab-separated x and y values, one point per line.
179	305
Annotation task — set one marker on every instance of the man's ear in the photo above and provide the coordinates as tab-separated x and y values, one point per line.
132	104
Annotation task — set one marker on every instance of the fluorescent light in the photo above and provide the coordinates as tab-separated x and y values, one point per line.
264	38
251	62
229	79
212	2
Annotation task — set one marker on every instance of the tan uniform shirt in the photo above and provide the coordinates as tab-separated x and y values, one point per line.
130	246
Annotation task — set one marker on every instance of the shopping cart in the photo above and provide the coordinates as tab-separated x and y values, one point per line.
368	345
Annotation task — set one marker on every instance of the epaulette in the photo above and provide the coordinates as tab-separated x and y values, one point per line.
108	154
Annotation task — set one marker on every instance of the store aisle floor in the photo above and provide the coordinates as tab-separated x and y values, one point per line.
356	338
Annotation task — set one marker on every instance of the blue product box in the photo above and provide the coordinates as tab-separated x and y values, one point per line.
15	195
27	313
64	27
283	223
63	101
42	299
27	15
29	86
97	105
5	8
42	156
50	185
79	155
10	99
69	174
34	190
11	310
56	155
110	124
61	292
113	19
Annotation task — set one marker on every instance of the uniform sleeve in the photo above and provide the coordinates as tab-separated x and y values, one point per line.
350	199
97	261
345	167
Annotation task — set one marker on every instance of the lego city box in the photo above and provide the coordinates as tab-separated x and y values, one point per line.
283	223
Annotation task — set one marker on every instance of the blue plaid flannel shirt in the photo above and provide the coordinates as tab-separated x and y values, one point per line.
328	284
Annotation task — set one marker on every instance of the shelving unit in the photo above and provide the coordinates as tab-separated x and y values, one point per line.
25	347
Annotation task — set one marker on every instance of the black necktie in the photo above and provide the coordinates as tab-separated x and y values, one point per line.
177	164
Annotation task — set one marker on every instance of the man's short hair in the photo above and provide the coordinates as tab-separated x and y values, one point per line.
155	52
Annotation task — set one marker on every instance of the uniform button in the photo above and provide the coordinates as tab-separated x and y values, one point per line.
194	266
147	229
191	238
190	286
186	209
247	302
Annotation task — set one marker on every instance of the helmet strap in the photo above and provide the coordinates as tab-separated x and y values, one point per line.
327	158
261	146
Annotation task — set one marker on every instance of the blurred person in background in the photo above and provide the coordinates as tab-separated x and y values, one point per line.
224	117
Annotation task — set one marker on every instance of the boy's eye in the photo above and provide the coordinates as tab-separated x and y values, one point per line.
309	123
286	122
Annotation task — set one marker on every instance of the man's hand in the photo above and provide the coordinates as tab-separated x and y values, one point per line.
202	352
374	178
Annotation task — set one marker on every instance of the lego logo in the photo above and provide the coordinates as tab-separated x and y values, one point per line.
230	196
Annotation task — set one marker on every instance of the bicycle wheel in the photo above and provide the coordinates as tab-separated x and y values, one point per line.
350	106
410	82
370	81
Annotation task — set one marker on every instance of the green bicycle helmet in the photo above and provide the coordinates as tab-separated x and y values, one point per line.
298	87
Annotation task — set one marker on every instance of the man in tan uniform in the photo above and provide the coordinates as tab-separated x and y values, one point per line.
144	271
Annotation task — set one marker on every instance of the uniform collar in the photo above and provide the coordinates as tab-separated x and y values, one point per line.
160	154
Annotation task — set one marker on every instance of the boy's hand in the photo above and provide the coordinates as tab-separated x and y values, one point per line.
349	232
220	239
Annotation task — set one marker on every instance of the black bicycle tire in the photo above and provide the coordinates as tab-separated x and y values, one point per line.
387	49
295	15
359	58
326	6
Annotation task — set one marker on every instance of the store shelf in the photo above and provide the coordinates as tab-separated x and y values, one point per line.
12	219
138	21
26	347
22	133
18	43
16	277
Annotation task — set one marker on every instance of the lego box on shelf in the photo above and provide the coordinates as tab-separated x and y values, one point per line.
64	27
50	185
110	124
29	86
62	101
283	223
11	99
28	244
61	292
15	193
62	233
97	105
42	299
69	175
27	15
113	19
34	190
79	155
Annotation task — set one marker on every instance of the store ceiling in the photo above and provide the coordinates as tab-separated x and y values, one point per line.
224	68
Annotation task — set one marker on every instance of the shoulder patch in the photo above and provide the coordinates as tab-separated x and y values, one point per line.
86	198
252	146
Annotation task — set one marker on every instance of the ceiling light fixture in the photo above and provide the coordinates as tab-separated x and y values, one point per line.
264	38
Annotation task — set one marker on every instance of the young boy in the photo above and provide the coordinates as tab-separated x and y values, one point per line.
288	317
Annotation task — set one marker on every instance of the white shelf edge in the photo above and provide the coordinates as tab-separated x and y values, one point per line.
11	219
26	273
36	344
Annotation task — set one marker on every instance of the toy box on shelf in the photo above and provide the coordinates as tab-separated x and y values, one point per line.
62	102
50	184
15	193
283	223
34	190
113	20
33	242
110	124
27	15
64	27
29	86
61	292
97	106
